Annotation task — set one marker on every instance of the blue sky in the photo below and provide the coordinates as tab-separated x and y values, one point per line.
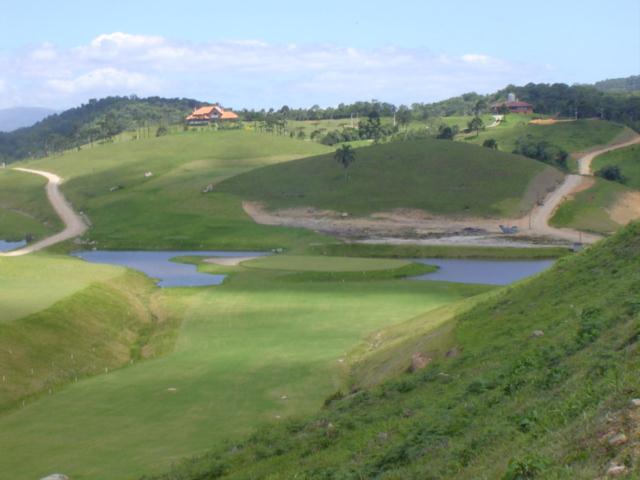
250	53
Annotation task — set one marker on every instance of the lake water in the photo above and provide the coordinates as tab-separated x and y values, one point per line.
8	246
158	265
489	272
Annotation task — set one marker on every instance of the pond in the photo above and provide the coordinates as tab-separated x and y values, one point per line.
8	246
488	272
158	265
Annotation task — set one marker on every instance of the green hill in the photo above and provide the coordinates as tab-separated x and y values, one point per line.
168	209
96	120
438	176
537	383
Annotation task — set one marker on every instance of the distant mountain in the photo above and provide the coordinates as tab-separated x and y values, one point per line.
19	117
627	84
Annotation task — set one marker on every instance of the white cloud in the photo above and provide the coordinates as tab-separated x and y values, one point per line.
476	58
103	79
247	72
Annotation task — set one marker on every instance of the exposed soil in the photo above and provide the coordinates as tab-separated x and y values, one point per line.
626	209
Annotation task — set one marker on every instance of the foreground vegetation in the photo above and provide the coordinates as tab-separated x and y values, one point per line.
537	383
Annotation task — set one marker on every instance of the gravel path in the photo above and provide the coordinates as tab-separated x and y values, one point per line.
74	224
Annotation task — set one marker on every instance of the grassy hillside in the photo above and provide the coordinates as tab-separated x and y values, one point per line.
268	344
24	208
504	404
627	159
169	209
571	136
434	175
589	209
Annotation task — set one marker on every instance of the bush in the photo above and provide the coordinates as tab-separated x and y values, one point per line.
611	172
446	132
543	151
162	130
490	143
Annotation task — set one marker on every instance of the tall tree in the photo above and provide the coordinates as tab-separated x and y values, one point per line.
345	156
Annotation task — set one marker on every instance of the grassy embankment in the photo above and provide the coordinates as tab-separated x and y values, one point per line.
268	344
441	177
588	210
63	319
504	404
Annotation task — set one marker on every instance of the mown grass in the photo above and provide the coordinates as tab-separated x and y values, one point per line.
24	209
266	345
168	209
434	175
588	209
571	136
32	283
506	404
627	159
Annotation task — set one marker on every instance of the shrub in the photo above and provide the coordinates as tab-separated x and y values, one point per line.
611	172
490	143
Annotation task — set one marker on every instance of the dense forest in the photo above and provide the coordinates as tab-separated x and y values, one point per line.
628	84
101	120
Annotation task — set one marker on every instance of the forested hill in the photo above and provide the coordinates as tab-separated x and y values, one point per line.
93	121
627	84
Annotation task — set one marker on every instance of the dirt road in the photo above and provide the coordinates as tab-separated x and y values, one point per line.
74	223
541	215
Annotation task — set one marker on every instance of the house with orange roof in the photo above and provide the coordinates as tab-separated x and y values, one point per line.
208	114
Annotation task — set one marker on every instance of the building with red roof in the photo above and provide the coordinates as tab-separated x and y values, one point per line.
513	105
208	114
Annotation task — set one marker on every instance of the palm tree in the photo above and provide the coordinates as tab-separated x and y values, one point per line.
345	156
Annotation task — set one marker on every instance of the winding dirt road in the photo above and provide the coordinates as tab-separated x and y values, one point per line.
572	184
74	223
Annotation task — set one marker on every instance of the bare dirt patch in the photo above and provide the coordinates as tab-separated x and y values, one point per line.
228	261
626	209
398	226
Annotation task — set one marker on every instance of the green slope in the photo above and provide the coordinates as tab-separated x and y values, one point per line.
507	405
438	176
571	136
588	210
628	159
